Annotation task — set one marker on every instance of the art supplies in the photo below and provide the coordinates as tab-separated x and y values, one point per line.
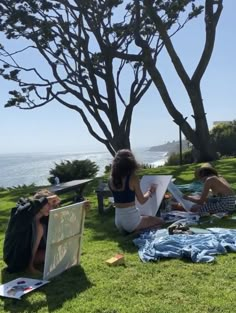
20	286
116	260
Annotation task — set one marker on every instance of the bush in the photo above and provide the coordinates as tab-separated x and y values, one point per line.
224	137
70	170
174	158
107	169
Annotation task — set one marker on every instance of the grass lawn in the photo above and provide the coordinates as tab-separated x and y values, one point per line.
165	286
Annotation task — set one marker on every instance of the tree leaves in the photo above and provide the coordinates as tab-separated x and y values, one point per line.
89	46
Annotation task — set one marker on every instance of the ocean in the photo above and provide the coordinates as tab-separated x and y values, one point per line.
33	168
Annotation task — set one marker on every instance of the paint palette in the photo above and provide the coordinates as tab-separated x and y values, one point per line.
20	286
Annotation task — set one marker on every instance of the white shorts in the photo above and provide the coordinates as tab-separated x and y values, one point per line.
127	219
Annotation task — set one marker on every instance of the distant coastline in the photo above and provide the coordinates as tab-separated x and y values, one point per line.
169	147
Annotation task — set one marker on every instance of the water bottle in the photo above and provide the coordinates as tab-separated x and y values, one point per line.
57	180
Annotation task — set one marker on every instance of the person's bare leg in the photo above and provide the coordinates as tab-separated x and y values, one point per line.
39	257
150	222
39	235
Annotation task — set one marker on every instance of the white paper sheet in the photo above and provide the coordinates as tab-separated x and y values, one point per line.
152	205
178	195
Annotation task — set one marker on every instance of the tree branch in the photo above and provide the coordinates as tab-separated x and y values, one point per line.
211	20
167	42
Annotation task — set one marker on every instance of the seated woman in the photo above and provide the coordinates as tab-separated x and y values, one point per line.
125	186
223	197
24	243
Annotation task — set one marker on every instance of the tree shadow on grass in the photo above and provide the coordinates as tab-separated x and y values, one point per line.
62	288
66	286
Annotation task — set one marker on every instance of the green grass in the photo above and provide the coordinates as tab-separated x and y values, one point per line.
93	287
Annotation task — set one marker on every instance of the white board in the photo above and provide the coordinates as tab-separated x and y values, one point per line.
64	238
152	205
178	195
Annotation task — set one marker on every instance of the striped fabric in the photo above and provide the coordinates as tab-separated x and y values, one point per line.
225	204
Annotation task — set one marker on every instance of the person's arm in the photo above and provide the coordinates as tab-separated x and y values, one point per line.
87	205
54	201
202	199
142	198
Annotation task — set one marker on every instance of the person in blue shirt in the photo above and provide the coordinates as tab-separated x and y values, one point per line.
125	186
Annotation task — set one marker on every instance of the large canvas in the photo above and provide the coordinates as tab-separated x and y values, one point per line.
152	205
65	230
178	195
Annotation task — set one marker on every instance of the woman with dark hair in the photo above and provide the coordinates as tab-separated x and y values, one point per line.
125	186
223	199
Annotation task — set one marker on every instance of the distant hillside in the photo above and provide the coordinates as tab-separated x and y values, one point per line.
170	147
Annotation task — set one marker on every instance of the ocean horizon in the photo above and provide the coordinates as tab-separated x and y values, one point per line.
19	169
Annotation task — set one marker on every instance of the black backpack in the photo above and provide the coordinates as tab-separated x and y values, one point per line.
17	248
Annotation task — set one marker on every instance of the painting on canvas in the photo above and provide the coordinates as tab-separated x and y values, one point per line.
65	230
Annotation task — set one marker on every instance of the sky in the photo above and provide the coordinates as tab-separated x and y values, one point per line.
54	128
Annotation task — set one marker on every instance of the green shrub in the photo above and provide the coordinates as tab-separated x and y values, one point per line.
107	169
70	170
174	158
23	187
224	137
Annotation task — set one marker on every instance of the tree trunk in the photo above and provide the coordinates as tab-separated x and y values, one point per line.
118	142
202	141
199	137
203	150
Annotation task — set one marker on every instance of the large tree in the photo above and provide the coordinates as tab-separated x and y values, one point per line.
77	40
91	47
161	15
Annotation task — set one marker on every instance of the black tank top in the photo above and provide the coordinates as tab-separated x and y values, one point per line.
123	196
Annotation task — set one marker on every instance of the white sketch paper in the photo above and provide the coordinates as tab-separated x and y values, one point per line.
64	239
152	205
178	195
20	286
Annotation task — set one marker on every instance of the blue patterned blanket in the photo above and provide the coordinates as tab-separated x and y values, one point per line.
154	245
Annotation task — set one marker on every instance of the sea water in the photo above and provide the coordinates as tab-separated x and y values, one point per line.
33	168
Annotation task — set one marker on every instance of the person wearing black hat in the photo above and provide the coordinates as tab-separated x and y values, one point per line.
223	199
25	232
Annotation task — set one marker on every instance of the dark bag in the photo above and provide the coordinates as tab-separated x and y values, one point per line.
17	248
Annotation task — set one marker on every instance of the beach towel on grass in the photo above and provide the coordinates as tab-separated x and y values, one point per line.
154	245
194	187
